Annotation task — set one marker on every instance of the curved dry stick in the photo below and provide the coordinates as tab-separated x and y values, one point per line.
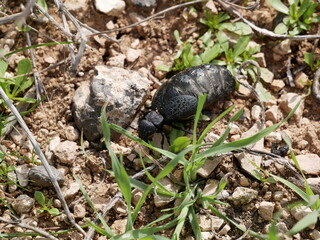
315	86
263	31
27	226
238	77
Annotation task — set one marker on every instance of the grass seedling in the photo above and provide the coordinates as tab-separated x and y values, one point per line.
299	16
46	206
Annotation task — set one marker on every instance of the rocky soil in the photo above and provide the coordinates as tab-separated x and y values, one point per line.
127	66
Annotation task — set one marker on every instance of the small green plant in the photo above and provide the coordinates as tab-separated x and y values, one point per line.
312	61
4	170
46	206
298	16
15	86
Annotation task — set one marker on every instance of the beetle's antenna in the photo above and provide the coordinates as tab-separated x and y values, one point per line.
239	77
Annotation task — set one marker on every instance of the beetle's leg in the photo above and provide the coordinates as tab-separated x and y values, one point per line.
179	107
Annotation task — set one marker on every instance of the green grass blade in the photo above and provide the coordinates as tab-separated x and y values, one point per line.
144	232
201	101
3	67
107	230
296	189
36	46
307	220
120	173
206	130
194	223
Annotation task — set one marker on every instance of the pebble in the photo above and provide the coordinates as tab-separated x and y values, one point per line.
110	7
283	47
301	211
23	204
277	84
211	187
39	176
246	161
160	200
274	137
209	223
244	182
309	163
70	190
144	3
66	152
118	149
71	133
54	142
260	58
208	167
226	228
133	54
234	129
288	102
278	195
79	211
272	114
22	174
242	196
301	80
266	75
117	61
136	195
13	179
256	112
315	234
119	226
266	210
207	235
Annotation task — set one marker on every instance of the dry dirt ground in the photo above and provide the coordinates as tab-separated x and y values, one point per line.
155	38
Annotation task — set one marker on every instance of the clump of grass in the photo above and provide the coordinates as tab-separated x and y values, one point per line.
191	154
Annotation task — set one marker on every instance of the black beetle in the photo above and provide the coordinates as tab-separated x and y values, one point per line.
177	98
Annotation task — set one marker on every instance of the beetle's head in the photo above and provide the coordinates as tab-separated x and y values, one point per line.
150	124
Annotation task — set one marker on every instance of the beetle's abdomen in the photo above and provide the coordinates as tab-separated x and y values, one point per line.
177	98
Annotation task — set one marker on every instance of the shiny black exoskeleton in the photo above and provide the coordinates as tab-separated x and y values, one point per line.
177	98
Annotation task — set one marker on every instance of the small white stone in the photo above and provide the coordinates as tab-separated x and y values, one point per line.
133	54
66	152
242	196
119	226
256	112
79	211
274	137
309	163
234	129
110	7
277	84
301	80
226	228
266	210
159	200
301	211
246	161
283	47
22	174
70	190
118	149
278	195
272	114
260	59
23	204
72	134
208	167
136	195
211	187
315	234
266	75
288	101
209	223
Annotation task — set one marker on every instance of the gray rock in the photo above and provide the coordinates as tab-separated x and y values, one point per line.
39	176
144	3
22	174
23	204
242	196
54	142
13	178
79	211
123	90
